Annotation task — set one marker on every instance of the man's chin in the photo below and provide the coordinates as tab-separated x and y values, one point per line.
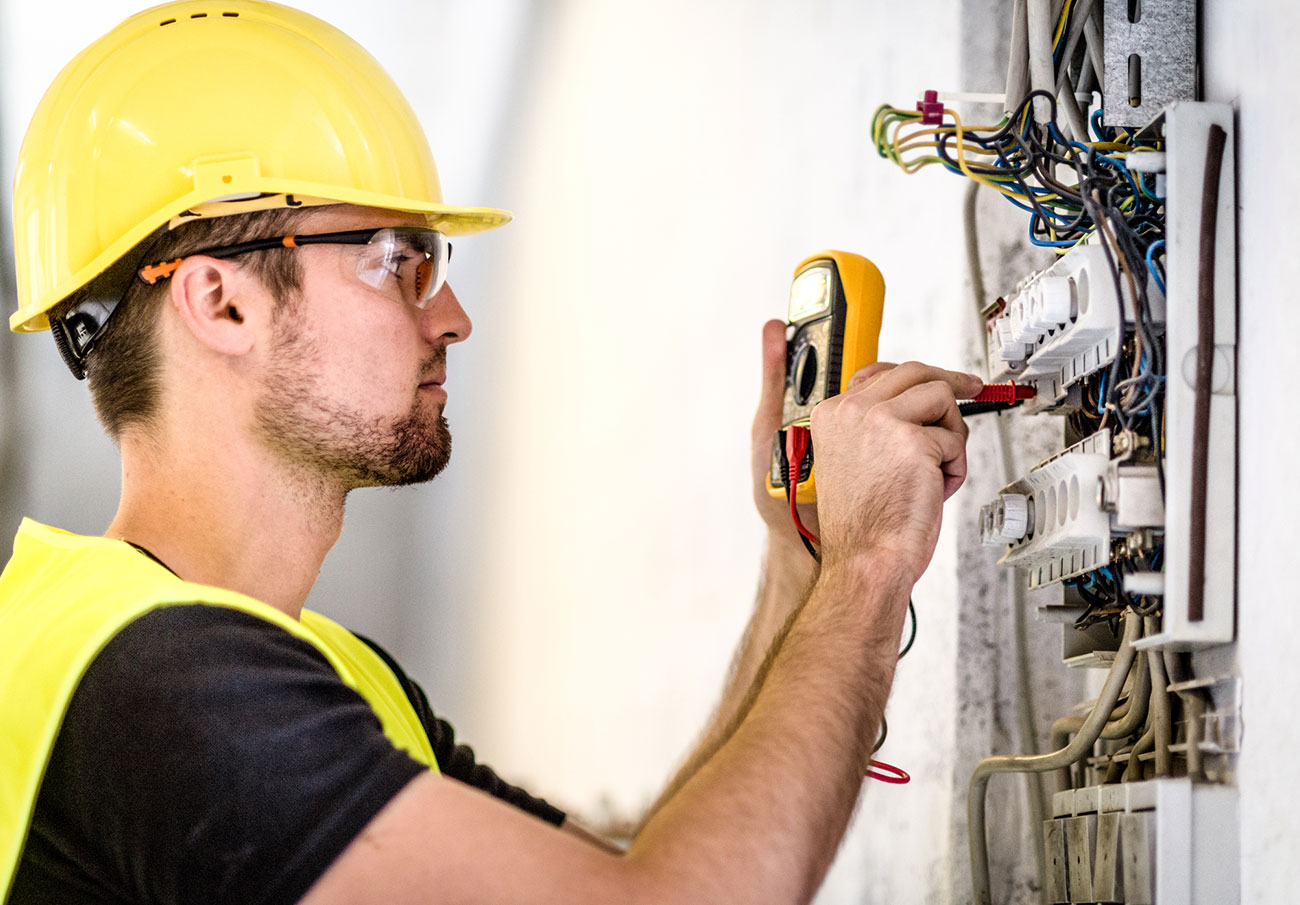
419	455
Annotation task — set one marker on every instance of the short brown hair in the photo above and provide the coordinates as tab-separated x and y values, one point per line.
122	368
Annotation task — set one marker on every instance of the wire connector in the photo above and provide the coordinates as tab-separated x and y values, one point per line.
931	109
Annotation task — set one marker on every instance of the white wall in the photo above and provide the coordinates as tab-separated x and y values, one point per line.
1250	61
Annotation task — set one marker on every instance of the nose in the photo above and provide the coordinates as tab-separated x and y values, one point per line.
444	320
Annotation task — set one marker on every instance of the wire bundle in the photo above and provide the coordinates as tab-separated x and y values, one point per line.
1031	164
1104	595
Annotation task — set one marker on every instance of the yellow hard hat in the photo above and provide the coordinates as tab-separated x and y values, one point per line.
206	108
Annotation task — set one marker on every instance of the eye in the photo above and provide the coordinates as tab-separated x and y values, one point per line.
396	263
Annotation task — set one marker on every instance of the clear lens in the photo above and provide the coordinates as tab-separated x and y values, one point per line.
406	262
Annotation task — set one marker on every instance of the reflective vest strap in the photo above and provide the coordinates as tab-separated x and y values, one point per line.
383	690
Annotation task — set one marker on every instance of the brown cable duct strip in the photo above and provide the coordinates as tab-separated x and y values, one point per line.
1204	371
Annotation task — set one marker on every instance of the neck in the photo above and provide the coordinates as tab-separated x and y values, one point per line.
237	519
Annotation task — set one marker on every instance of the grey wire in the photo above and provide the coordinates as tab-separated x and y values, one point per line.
1076	127
1193	712
1078	749
1161	715
1042	77
1088	80
1133	771
1018	61
1124	720
1065	87
1092	32
1078	20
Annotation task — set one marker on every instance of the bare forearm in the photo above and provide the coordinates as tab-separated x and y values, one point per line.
787	578
763	816
788	574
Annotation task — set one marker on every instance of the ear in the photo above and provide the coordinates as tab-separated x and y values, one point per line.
216	302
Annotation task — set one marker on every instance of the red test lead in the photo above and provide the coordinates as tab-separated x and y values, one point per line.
1004	392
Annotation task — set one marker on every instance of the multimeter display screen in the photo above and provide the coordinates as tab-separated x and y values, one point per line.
810	294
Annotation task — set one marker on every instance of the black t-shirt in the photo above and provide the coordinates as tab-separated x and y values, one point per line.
211	756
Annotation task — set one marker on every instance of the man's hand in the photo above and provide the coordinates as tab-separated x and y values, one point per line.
767	421
890	449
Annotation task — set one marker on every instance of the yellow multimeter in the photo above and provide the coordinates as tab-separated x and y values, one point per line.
837	300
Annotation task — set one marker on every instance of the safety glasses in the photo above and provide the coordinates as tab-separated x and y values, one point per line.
407	262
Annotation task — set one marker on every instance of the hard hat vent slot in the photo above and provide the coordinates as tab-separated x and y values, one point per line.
198	15
166	22
231	15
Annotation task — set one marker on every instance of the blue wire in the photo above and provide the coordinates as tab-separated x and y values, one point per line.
1101	393
1097	127
1122	169
1015	188
1142	187
1046	243
1151	266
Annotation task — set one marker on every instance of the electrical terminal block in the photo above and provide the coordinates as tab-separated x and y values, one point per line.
1059	520
1062	325
1067	532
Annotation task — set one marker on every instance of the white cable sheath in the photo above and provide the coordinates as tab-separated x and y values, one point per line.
1042	74
1018	62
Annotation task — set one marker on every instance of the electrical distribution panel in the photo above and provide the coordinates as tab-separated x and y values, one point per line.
1141	516
1127	338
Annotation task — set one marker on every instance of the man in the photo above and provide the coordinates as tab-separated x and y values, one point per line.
257	293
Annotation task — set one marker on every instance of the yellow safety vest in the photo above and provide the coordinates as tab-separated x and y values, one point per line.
63	597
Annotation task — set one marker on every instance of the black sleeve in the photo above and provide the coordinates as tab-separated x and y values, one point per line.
457	761
207	756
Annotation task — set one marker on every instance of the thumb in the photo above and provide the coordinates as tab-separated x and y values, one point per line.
768	417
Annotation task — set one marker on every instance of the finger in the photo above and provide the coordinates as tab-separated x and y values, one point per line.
870	372
954	467
768	416
952	419
949	451
911	373
926	404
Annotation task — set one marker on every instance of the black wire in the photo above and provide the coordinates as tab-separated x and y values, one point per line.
812	551
790	475
911	638
966	409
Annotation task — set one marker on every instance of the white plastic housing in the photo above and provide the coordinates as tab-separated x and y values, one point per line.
1068	532
1005	519
1063	324
1187	125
